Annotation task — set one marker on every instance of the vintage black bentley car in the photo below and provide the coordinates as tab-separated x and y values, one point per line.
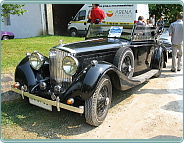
79	76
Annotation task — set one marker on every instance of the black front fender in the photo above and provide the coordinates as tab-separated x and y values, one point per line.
93	76
87	81
25	74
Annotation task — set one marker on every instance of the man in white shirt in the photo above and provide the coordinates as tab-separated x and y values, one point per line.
152	20
176	33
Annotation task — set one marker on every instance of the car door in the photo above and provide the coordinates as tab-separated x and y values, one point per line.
143	45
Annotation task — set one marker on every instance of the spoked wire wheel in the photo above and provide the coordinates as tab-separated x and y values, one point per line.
126	66
97	106
124	60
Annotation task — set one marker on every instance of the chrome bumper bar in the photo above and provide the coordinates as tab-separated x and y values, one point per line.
56	103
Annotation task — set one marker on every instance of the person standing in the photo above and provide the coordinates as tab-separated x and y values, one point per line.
148	23
176	33
152	20
97	14
140	21
160	23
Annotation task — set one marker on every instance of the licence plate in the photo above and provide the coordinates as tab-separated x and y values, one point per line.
40	104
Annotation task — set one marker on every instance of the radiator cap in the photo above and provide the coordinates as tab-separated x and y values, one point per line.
61	42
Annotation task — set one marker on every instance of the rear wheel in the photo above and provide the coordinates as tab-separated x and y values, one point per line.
124	60
161	64
97	106
164	64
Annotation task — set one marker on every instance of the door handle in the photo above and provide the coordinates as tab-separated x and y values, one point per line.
84	23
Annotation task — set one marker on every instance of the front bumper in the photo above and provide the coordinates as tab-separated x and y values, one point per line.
56	103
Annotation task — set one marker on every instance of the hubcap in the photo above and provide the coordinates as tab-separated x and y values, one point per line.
126	66
129	68
73	34
107	101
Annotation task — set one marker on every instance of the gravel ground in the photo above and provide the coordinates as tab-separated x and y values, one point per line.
152	110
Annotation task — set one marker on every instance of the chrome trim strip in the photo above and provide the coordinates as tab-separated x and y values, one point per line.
97	48
50	102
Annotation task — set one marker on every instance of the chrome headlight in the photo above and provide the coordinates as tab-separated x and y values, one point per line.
69	65
36	60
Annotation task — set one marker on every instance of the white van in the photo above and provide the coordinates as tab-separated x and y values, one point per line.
124	14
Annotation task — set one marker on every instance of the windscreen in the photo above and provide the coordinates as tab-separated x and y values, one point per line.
110	31
142	32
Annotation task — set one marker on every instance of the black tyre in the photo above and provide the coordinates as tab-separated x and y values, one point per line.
6	38
97	106
161	64
124	60
73	33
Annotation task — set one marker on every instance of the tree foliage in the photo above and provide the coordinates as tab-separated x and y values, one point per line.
168	11
14	9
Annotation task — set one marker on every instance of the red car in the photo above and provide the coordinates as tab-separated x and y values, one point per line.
6	35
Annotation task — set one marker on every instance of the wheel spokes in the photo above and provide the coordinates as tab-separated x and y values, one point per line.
102	101
126	66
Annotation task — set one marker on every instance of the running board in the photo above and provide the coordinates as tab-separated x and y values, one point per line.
143	77
127	83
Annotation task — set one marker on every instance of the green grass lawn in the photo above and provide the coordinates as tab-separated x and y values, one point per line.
13	51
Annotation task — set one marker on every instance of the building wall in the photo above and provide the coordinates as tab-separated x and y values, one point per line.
31	24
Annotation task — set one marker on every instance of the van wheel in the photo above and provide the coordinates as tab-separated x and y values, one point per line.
97	106
73	33
124	61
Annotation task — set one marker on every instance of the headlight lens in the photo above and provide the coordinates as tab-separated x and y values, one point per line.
36	60
70	65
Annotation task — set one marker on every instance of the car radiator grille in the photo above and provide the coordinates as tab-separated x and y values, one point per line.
57	75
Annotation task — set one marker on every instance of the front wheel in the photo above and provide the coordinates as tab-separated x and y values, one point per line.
97	106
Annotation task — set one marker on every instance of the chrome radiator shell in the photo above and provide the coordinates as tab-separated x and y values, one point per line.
57	75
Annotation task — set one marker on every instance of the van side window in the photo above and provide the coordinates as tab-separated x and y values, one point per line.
81	15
